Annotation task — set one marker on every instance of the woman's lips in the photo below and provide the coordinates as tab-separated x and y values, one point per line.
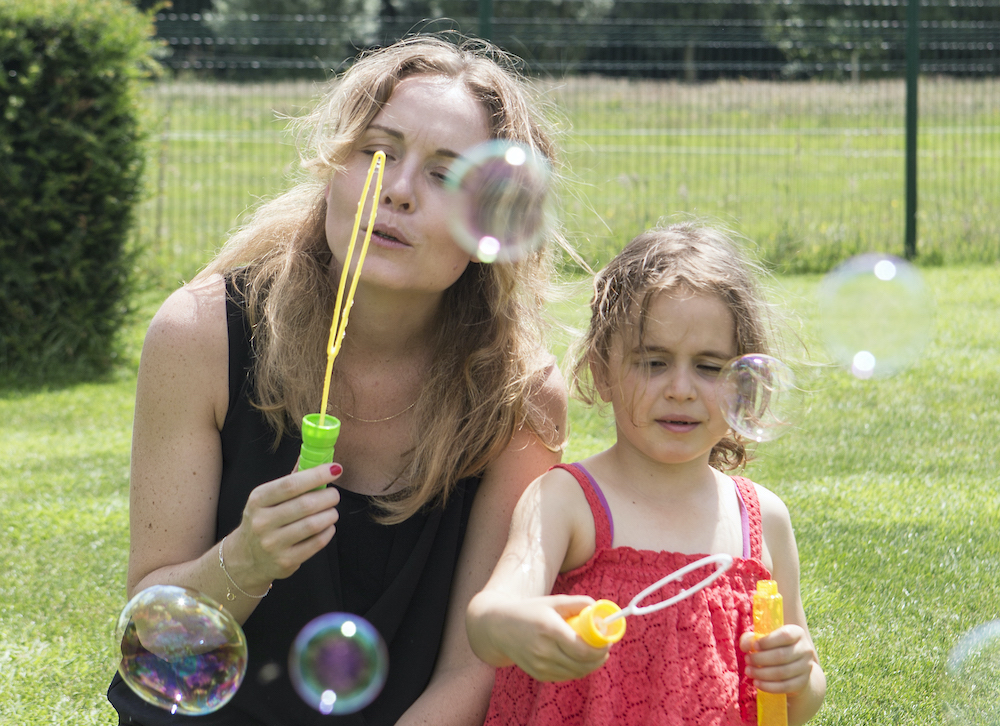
389	237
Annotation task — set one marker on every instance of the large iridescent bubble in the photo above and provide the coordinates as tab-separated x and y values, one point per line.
972	687
875	315
338	663
180	650
501	201
759	398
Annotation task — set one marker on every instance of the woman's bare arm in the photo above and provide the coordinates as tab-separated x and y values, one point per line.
460	687
181	401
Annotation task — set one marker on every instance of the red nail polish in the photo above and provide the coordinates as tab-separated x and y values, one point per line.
336	470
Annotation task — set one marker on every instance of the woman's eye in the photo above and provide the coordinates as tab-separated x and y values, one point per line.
371	152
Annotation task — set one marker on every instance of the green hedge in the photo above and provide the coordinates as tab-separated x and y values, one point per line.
71	160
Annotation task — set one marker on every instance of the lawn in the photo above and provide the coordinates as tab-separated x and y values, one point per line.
891	484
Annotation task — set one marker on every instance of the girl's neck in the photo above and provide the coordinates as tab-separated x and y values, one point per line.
654	481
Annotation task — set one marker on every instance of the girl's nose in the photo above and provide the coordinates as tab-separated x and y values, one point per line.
680	384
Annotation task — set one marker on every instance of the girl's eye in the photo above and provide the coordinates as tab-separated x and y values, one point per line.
710	369
652	364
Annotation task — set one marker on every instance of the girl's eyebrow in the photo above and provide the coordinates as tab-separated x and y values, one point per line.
398	135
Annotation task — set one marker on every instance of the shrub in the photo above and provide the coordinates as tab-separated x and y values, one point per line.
71	159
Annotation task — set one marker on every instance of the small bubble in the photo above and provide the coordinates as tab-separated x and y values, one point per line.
502	204
875	315
338	663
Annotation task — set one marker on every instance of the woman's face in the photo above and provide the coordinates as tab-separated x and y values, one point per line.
427	123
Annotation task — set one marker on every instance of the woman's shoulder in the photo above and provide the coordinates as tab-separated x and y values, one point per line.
187	342
193	314
550	400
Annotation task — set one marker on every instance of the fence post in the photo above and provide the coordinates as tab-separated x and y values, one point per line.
912	73
485	19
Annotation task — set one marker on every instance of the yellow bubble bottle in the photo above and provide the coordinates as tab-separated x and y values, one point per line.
768	616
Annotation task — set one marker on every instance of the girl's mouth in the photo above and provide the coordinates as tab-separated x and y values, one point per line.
677	425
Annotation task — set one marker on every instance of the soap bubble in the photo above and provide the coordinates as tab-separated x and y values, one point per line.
972	695
180	650
502	202
875	315
338	663
758	396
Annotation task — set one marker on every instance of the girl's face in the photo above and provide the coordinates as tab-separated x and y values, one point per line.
427	123
665	388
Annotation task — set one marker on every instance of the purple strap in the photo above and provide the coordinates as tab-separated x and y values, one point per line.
604	502
744	522
744	514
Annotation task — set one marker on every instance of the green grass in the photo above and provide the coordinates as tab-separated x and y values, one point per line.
812	172
891	484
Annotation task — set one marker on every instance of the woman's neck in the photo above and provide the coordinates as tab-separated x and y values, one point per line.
388	324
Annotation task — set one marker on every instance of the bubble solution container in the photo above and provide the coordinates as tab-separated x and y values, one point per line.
318	440
768	616
590	625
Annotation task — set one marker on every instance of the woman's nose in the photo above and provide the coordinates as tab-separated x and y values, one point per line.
397	189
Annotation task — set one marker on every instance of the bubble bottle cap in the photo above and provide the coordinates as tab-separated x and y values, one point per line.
318	440
768	609
590	625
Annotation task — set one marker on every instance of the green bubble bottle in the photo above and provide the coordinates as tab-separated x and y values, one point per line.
319	436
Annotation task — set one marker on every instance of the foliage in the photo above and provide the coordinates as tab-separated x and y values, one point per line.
71	161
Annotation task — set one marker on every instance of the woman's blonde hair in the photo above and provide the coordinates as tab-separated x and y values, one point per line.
488	352
686	256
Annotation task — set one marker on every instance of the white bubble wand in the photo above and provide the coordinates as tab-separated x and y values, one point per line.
604	622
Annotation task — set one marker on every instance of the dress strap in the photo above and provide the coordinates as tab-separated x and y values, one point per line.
604	525
750	516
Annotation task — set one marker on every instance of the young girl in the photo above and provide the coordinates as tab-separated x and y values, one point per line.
667	314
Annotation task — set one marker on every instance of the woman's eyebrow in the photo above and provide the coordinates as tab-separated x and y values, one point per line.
398	135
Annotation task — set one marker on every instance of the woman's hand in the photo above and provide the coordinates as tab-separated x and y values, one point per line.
285	522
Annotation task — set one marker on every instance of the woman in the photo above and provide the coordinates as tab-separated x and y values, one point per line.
449	404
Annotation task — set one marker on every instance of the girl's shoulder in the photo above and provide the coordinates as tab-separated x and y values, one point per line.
776	527
562	497
772	508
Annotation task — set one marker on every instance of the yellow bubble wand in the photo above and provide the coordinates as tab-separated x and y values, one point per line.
318	434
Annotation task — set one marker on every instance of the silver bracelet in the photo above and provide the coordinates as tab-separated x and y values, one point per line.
229	593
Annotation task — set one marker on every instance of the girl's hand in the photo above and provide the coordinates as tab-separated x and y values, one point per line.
781	661
285	522
533	634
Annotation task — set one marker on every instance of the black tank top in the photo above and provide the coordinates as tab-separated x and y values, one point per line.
398	577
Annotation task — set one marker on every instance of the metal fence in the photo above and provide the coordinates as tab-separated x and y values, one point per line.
786	121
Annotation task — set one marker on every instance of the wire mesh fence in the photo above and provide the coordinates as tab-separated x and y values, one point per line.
784	121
